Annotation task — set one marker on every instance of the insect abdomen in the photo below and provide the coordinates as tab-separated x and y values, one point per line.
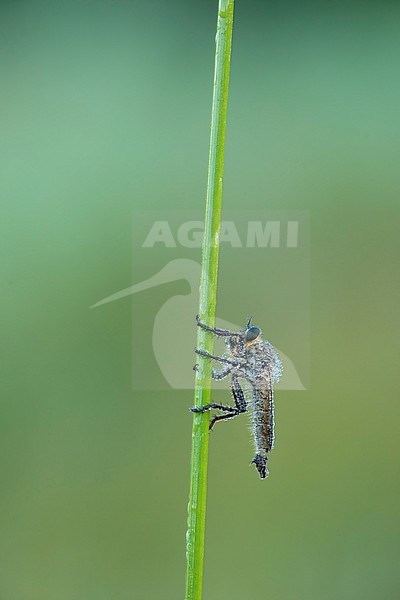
263	425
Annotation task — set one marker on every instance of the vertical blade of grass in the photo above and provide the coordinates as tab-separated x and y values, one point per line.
208	292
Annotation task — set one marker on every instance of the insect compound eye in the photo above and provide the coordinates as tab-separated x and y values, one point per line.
252	333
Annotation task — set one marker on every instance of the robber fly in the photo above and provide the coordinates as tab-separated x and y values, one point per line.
254	360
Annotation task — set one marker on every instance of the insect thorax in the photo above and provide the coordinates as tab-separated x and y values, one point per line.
260	359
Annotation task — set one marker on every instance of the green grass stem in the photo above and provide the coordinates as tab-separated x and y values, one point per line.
207	303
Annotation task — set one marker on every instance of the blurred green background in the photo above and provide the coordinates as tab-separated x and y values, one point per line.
105	109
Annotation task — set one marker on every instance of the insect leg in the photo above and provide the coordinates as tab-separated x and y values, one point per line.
228	361
229	411
206	407
238	395
217	374
215	330
240	404
231	415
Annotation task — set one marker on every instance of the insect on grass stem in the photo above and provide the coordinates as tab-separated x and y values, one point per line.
207	302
